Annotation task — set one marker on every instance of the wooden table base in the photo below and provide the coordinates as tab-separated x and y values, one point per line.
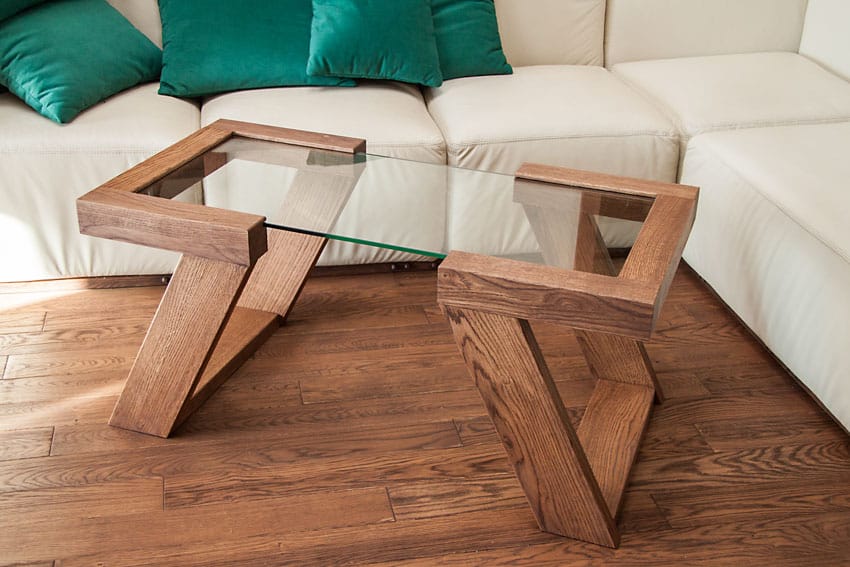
574	481
206	326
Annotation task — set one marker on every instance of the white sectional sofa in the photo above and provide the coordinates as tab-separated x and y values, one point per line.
748	99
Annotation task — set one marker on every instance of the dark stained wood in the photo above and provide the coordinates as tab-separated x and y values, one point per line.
506	365
187	325
247	476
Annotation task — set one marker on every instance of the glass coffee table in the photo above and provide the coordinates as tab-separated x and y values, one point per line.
251	208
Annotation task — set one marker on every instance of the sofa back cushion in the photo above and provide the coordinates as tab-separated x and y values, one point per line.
661	29
551	32
826	38
144	14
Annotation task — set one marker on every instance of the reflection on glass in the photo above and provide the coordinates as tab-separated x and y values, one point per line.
421	208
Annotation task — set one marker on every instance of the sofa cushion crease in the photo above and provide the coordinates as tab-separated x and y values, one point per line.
738	91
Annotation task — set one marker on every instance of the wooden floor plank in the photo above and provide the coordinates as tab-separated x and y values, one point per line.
21	322
217	457
21	509
738	466
349	471
780	499
25	443
737	434
117	360
175	529
122	335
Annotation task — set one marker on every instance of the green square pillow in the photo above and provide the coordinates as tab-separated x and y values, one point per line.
67	55
468	38
375	39
213	46
11	7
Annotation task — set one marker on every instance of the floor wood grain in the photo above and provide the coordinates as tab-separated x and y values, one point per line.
354	436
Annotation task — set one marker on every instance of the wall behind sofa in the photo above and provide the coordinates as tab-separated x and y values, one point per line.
660	29
552	32
826	35
144	14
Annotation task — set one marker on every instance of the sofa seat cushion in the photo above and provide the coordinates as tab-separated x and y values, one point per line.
44	167
575	116
725	92
771	238
391	117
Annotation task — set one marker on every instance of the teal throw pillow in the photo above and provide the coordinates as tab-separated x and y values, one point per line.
65	56
375	39
11	7
468	38
213	46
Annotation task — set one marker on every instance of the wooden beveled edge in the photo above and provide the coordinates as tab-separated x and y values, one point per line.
603	181
288	136
581	300
115	210
658	248
661	240
206	232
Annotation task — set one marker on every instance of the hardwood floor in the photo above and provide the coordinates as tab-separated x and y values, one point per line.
354	436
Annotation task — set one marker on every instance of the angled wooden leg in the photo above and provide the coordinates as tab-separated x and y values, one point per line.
506	364
184	330
280	274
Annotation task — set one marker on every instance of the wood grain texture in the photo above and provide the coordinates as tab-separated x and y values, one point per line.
167	161
603	181
610	434
580	300
508	369
22	322
187	527
620	359
290	136
25	443
188	228
244	332
184	330
658	248
277	279
774	465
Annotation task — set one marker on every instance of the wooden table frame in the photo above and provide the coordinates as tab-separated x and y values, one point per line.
574	479
237	281
234	285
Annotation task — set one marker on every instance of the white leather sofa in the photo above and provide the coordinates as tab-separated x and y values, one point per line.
748	99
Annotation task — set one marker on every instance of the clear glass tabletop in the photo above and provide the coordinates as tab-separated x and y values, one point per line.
422	208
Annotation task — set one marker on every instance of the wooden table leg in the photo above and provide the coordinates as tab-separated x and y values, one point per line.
178	344
507	366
